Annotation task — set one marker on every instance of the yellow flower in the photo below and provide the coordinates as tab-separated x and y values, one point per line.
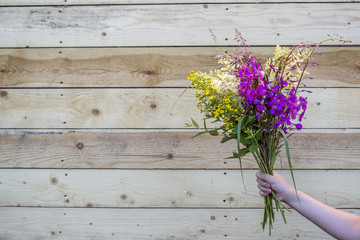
226	100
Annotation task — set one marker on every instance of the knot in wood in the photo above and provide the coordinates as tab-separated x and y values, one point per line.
80	145
54	181
153	106
169	156
212	217
205	6
3	93
149	72
123	197
95	111
104	34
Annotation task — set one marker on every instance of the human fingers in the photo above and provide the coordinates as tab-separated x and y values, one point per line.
264	194
262	183
264	189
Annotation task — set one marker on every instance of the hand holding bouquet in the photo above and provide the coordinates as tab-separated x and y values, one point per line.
256	105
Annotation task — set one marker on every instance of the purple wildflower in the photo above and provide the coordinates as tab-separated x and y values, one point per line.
261	96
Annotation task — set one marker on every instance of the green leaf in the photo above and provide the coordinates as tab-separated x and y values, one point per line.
238	133
245	140
240	105
244	151
289	159
258	134
253	148
249	120
198	134
194	123
213	132
226	138
205	124
216	120
188	125
231	157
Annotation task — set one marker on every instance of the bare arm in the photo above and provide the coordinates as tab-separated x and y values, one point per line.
337	223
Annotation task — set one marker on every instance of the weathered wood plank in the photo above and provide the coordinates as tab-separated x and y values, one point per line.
148	108
165	150
136	224
176	25
150	67
164	188
108	2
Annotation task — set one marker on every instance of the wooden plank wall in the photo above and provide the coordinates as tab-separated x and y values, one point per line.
92	146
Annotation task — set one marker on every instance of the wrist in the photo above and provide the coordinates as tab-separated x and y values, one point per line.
290	197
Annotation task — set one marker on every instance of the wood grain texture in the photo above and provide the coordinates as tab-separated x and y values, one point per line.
109	2
165	150
148	108
176	25
164	188
151	67
137	224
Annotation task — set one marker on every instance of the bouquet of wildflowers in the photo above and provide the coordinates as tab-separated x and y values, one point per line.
256	105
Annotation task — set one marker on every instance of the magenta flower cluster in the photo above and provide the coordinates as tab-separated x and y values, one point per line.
268	100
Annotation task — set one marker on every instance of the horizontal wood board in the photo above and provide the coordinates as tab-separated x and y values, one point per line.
176	25
137	224
165	150
152	67
148	108
109	2
165	188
